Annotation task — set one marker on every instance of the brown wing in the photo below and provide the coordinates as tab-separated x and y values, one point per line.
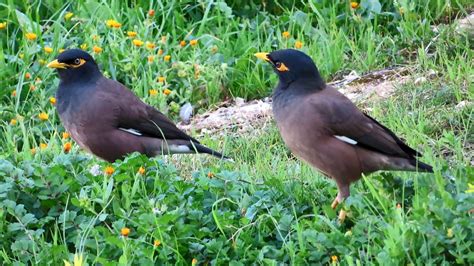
132	113
343	118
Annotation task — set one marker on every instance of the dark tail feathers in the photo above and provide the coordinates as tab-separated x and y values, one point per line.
203	149
421	166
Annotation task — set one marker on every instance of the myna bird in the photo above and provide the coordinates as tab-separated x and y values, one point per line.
324	128
107	119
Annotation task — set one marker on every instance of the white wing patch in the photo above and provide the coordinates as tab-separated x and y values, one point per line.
179	149
131	131
346	139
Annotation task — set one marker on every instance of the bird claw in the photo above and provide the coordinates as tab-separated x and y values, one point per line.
335	203
342	216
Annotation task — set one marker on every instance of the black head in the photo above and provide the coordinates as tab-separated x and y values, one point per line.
292	65
75	65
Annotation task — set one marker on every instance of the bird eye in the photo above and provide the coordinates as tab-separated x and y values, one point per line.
277	64
77	61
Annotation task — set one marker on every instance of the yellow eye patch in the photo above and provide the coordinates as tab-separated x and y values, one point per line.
282	68
81	62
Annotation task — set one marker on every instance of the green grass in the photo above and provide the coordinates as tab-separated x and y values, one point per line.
268	207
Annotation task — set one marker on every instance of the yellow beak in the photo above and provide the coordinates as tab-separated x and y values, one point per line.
263	56
56	64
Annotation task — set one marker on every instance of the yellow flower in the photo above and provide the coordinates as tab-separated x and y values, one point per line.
13	122
32	87
450	233
84	46
141	170
193	42
286	34
68	15
167	58
61	50
78	261
163	39
137	42
150	58
21	55
131	34
334	258
161	79
470	188
153	92
210	174
43	146
354	5
97	49
52	100
298	45
48	49
65	135
157	243
67	147
30	36
3	25
27	75
151	12
150	45
43	116
125	231
194	261
14	93
33	151
167	92
182	43
214	49
160	52
109	170
112	23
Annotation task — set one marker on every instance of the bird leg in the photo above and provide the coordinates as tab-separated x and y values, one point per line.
344	191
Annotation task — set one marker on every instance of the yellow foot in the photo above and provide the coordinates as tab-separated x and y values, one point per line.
342	216
335	203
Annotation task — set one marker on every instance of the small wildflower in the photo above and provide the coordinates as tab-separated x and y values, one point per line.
67	147
167	58
298	45
193	42
97	49
21	55
109	170
13	122
42	62
286	34
65	135
450	233
137	42
161	79
33	151
151	12
68	16
167	91
163	39
3	25
141	170
334	258
30	36
52	100
43	116
399	206
14	93
354	5
210	174
84	46
156	243
182	43
150	58
61	50
194	261
153	92
43	146
48	49
150	45
38	80
160	52
125	231
112	23
32	87
470	188
214	49
131	34
27	75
